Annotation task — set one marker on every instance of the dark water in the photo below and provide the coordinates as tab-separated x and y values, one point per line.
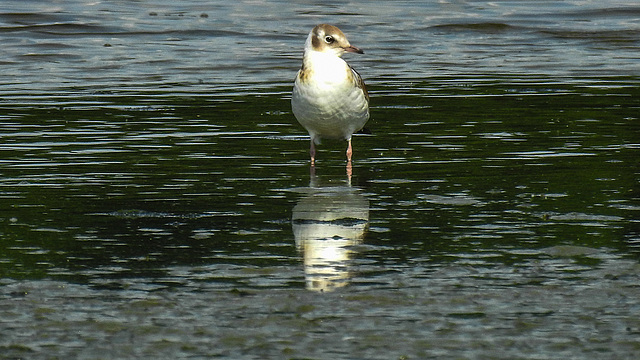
156	199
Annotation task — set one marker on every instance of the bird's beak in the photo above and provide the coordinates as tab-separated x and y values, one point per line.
353	49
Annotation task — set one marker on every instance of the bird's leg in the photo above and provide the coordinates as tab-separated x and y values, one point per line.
349	166
312	172
312	152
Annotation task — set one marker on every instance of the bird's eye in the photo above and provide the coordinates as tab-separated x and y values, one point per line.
329	39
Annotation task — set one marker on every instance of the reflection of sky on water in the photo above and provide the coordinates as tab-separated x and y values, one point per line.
204	48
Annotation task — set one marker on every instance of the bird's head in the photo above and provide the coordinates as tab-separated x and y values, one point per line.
329	39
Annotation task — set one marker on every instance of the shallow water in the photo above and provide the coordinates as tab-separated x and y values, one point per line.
156	199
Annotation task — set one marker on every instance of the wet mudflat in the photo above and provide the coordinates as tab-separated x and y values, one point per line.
163	206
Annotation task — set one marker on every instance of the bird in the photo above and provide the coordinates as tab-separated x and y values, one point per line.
329	98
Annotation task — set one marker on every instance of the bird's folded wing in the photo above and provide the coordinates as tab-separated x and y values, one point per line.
357	79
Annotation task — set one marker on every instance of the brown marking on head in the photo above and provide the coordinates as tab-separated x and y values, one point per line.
325	37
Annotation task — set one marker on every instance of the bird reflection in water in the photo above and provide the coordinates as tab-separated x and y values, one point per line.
327	223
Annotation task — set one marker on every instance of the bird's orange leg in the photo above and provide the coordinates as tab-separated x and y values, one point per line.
312	152
349	166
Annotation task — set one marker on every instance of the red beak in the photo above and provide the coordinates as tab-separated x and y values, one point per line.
353	49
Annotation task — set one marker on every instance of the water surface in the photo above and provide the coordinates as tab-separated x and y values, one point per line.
156	198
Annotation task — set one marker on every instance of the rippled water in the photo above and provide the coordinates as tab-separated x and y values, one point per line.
156	199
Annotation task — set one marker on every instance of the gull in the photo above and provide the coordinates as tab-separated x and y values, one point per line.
329	97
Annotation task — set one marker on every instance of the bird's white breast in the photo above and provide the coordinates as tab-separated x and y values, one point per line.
326	100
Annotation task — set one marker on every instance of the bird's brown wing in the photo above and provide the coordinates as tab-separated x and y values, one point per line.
357	79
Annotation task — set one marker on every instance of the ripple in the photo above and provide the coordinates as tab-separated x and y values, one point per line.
151	168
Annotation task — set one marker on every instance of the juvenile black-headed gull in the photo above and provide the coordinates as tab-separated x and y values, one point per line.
329	97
